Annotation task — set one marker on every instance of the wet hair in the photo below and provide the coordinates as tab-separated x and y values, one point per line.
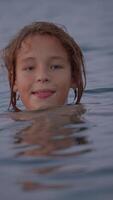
73	50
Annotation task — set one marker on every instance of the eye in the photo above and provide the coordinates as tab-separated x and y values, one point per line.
56	66
29	68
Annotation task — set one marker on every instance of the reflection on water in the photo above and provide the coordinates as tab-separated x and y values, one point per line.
29	185
51	131
54	133
59	151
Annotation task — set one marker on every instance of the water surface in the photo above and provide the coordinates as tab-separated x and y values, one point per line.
65	152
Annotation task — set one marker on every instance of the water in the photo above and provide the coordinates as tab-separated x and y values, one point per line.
63	153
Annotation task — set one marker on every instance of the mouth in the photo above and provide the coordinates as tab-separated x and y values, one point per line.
43	94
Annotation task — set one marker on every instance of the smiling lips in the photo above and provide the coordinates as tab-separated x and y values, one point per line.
43	94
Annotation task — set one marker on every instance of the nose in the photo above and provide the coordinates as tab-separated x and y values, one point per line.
42	74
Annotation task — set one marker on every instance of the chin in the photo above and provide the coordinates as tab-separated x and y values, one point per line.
41	107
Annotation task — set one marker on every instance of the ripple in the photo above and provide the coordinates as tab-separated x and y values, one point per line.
99	90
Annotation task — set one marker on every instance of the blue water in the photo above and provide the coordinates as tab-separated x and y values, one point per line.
64	153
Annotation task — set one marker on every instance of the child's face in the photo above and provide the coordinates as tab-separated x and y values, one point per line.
43	72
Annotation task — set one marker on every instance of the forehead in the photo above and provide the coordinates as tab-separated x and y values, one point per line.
41	43
29	40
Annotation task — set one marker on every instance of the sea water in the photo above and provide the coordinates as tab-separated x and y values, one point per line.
65	152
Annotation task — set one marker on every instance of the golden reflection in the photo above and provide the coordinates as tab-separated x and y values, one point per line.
30	186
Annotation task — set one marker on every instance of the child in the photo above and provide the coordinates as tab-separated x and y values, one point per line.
43	63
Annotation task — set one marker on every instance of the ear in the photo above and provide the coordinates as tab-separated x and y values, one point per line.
15	89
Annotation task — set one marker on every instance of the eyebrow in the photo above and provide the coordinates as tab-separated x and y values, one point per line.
57	58
28	59
50	58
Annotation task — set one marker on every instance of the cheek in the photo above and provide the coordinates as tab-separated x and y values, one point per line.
65	82
64	89
22	87
22	82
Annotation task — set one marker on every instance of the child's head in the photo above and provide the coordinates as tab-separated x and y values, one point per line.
43	63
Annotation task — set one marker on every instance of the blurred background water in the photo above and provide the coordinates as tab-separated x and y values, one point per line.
57	157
